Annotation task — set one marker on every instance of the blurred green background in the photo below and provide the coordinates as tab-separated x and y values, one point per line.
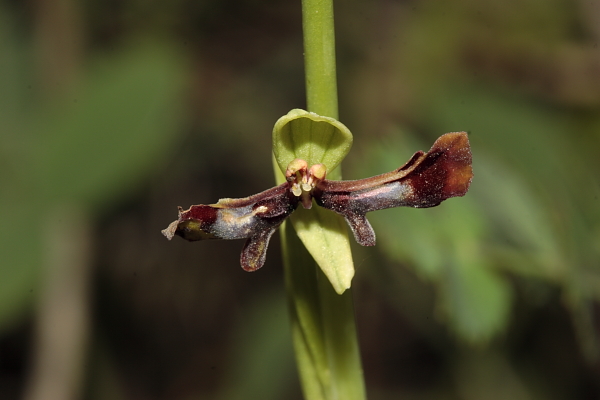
113	113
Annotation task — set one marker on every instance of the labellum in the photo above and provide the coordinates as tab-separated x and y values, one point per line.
425	180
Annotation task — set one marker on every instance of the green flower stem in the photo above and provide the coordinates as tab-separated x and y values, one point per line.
319	57
323	326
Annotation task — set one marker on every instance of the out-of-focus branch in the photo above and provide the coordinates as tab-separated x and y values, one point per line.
62	319
58	44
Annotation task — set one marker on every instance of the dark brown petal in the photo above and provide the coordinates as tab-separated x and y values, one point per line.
255	218
425	180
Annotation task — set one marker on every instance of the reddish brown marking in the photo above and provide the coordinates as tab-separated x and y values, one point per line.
206	214
445	172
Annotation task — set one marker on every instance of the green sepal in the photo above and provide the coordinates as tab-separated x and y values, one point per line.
325	236
317	139
311	137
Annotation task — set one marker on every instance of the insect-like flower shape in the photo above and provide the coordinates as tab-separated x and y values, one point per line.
425	180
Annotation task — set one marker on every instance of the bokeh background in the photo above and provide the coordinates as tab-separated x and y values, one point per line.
113	113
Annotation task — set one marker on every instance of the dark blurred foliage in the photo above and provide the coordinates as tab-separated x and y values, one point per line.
114	113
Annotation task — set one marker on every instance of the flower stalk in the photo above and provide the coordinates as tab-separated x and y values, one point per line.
323	325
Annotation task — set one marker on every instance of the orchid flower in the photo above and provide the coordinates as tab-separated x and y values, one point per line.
425	180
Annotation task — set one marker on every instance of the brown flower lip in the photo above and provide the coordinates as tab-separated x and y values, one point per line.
426	180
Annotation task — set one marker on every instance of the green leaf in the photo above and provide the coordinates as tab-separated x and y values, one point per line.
317	139
119	126
311	137
475	300
114	128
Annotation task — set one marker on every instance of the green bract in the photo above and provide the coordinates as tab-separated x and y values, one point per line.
317	139
311	137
